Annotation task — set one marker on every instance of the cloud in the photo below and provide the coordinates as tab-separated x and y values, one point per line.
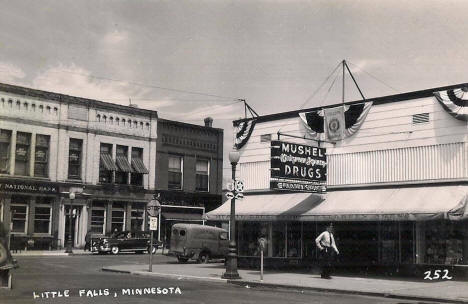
115	37
217	111
77	81
10	73
366	65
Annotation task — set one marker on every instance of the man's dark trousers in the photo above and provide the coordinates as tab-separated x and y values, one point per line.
326	261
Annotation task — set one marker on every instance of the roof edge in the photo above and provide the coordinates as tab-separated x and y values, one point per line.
375	100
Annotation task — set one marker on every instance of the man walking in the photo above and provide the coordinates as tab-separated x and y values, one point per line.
326	244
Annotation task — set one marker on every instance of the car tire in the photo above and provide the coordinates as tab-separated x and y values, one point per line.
203	257
154	250
182	260
115	250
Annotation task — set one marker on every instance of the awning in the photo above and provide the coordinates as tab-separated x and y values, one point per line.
139	166
285	206
390	204
173	216
107	162
123	164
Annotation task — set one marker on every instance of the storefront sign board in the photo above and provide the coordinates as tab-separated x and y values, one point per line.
298	167
28	187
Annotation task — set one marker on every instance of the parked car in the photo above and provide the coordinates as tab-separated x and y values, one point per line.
137	241
92	240
199	242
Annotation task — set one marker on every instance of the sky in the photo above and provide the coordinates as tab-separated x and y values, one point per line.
193	59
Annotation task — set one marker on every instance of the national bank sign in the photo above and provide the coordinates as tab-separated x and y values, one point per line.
296	167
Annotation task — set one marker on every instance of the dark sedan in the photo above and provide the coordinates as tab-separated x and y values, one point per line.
138	241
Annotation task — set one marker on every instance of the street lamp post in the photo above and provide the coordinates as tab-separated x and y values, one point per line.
231	263
69	248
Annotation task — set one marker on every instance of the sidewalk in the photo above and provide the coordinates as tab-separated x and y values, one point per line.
444	291
48	252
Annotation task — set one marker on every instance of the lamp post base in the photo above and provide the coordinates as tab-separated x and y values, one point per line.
69	248
231	275
231	263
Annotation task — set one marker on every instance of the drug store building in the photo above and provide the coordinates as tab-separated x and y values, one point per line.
396	181
53	144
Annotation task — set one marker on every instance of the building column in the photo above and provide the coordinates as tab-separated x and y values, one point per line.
31	215
12	152
108	217
128	216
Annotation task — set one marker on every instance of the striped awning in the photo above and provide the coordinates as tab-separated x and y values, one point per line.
139	166
123	164
107	162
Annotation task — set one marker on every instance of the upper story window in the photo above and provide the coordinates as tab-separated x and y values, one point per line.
124	168
138	167
202	175
22	152
74	158
5	144
41	156
175	172
106	164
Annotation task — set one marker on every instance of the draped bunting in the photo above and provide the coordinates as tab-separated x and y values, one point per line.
455	102
244	130
354	118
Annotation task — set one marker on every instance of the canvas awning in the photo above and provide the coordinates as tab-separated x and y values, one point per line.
108	163
173	216
139	166
390	204
123	164
284	206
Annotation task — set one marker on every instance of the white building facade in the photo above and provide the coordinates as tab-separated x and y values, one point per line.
397	182
53	144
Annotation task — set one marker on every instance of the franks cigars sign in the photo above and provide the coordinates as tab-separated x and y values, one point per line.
298	167
30	187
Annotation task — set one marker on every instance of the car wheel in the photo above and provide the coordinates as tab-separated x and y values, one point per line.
182	260
115	250
153	251
203	257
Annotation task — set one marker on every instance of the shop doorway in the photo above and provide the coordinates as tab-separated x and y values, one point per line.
75	215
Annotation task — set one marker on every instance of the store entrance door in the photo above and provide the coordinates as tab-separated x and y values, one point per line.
75	224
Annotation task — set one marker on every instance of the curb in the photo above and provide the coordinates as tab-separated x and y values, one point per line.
159	274
290	287
341	291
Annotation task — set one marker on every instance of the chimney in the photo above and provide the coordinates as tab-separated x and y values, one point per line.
208	122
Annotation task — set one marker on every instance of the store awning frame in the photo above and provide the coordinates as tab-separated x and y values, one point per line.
388	204
108	163
123	164
139	166
175	216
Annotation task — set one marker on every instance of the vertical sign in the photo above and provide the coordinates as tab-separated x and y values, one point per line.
334	123
297	167
153	223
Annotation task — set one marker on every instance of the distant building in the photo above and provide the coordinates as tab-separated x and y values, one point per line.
52	144
188	172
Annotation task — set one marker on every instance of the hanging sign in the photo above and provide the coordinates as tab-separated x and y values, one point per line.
335	123
297	167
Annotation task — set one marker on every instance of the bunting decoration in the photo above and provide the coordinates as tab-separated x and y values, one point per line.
354	116
455	102
244	130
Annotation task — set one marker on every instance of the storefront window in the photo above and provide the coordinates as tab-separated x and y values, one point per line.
443	242
74	158
41	156
249	233
19	214
118	217
23	143
137	217
98	216
389	243
42	215
294	239
5	142
278	240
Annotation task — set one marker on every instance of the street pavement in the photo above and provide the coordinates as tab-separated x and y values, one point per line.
444	291
80	277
